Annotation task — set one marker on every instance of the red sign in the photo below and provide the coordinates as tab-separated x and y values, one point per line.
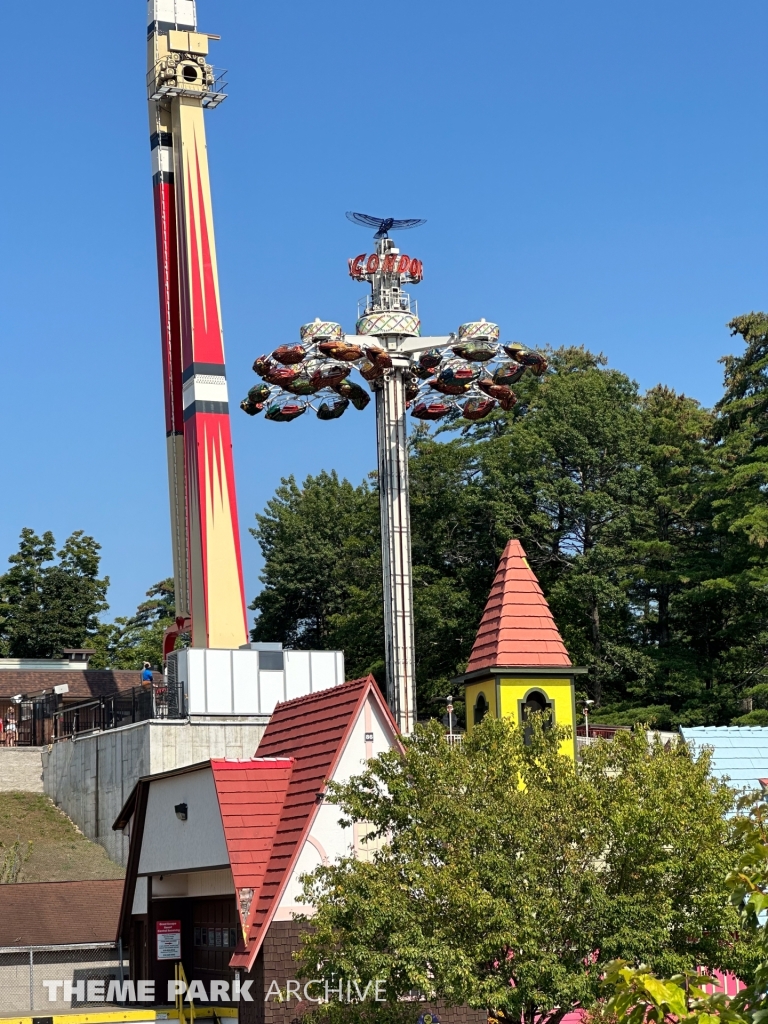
168	940
392	263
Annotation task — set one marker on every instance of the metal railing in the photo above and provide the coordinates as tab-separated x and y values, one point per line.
161	84
139	704
27	723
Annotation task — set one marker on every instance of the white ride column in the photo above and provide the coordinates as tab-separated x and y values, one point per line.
392	444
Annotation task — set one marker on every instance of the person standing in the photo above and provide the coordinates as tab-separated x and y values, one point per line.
11	729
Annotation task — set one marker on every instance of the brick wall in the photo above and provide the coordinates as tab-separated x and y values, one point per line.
275	962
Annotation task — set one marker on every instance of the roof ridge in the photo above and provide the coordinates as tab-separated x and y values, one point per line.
316	728
318	694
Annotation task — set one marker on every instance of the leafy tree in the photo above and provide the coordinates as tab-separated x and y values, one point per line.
47	605
510	876
322	570
127	643
643	516
639	995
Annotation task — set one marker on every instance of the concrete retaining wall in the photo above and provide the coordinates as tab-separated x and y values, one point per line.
21	768
91	777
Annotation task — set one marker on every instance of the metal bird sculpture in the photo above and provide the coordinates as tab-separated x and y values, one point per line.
383	225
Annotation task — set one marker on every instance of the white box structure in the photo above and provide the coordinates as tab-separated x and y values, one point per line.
250	680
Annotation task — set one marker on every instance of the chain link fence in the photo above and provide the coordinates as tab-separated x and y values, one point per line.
52	979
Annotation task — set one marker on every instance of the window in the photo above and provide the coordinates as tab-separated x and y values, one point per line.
366	848
211	938
535	702
480	709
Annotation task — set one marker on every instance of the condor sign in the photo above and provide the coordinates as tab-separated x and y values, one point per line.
391	263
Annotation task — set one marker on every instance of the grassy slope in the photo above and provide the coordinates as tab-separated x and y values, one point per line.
59	852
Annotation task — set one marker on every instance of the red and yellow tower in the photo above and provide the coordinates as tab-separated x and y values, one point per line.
519	663
204	526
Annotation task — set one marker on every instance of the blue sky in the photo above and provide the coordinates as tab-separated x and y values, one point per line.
591	173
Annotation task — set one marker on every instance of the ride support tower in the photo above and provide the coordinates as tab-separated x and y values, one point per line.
388	316
464	376
207	564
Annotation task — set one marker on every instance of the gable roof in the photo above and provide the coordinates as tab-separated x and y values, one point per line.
59	913
517	628
738	751
313	731
251	795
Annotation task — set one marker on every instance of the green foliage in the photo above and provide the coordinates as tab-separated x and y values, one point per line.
510	876
127	643
639	995
757	717
51	599
643	516
367	1012
322	573
12	860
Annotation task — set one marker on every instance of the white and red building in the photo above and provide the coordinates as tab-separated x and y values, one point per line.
217	848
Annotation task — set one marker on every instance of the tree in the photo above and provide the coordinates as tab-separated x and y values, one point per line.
127	643
643	517
639	995
322	570
46	607
510	875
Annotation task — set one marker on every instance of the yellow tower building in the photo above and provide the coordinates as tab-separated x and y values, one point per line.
519	663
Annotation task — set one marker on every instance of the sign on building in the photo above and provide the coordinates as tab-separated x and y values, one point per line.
169	940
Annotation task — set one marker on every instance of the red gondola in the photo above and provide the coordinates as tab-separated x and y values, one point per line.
477	408
504	395
430	410
341	350
379	357
289	355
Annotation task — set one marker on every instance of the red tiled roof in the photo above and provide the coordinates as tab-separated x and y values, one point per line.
517	627
313	731
251	794
59	913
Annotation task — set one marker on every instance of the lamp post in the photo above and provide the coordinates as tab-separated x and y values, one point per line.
587	704
467	375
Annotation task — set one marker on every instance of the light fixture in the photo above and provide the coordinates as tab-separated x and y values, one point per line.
181	811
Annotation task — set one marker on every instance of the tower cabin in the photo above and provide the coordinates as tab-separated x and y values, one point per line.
519	663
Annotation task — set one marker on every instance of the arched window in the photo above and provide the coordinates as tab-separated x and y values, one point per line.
535	701
481	708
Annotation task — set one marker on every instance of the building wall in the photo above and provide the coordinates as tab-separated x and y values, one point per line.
276	963
91	777
327	841
196	843
510	692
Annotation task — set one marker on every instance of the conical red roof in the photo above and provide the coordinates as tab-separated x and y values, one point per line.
517	628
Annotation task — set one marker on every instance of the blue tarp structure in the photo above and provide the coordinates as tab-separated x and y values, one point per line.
740	751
